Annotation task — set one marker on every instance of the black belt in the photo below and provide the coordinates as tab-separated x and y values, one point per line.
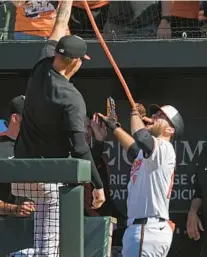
144	221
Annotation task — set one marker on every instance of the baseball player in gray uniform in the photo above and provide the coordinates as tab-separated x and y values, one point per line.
149	231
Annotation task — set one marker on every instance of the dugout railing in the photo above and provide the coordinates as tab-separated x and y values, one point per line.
16	233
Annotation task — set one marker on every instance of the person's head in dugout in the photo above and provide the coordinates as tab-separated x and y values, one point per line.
14	116
70	54
165	121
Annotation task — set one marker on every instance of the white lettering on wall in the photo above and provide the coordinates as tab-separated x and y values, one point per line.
182	194
181	179
119	179
118	194
187	150
108	152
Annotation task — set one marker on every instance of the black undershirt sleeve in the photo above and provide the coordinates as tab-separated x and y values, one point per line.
81	150
144	141
132	152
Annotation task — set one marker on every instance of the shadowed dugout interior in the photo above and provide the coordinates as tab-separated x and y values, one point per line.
185	89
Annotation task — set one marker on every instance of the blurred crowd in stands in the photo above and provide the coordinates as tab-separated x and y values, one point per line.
117	20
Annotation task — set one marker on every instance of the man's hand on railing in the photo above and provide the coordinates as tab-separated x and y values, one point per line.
24	209
98	198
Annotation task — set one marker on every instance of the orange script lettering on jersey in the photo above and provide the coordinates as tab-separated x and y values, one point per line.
135	166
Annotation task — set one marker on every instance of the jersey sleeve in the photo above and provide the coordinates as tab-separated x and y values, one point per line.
47	51
163	152
74	114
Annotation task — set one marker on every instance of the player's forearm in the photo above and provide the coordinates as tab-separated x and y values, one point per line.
195	205
124	138
61	23
136	122
7	208
95	177
166	8
81	150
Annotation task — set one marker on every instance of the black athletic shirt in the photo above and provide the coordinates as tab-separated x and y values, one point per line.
6	151
53	116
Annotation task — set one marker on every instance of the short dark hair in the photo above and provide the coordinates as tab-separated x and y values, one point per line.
15	106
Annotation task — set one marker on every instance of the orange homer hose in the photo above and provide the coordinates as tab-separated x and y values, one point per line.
110	57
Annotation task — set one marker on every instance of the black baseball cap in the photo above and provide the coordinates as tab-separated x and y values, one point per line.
16	104
72	46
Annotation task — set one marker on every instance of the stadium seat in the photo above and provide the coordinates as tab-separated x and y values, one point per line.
3	127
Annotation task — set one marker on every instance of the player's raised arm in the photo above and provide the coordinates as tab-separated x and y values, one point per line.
59	29
62	19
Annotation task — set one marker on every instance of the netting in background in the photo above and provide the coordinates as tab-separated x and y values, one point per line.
117	20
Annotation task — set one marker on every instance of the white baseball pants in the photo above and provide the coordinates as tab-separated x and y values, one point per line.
150	240
46	216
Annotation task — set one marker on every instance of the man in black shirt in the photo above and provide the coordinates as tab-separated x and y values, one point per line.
53	125
7	200
197	215
95	134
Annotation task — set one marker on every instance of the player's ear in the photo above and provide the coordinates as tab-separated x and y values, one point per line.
170	131
14	117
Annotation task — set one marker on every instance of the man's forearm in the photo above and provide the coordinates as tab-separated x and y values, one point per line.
195	205
136	123
82	151
166	8
124	138
61	23
7	208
